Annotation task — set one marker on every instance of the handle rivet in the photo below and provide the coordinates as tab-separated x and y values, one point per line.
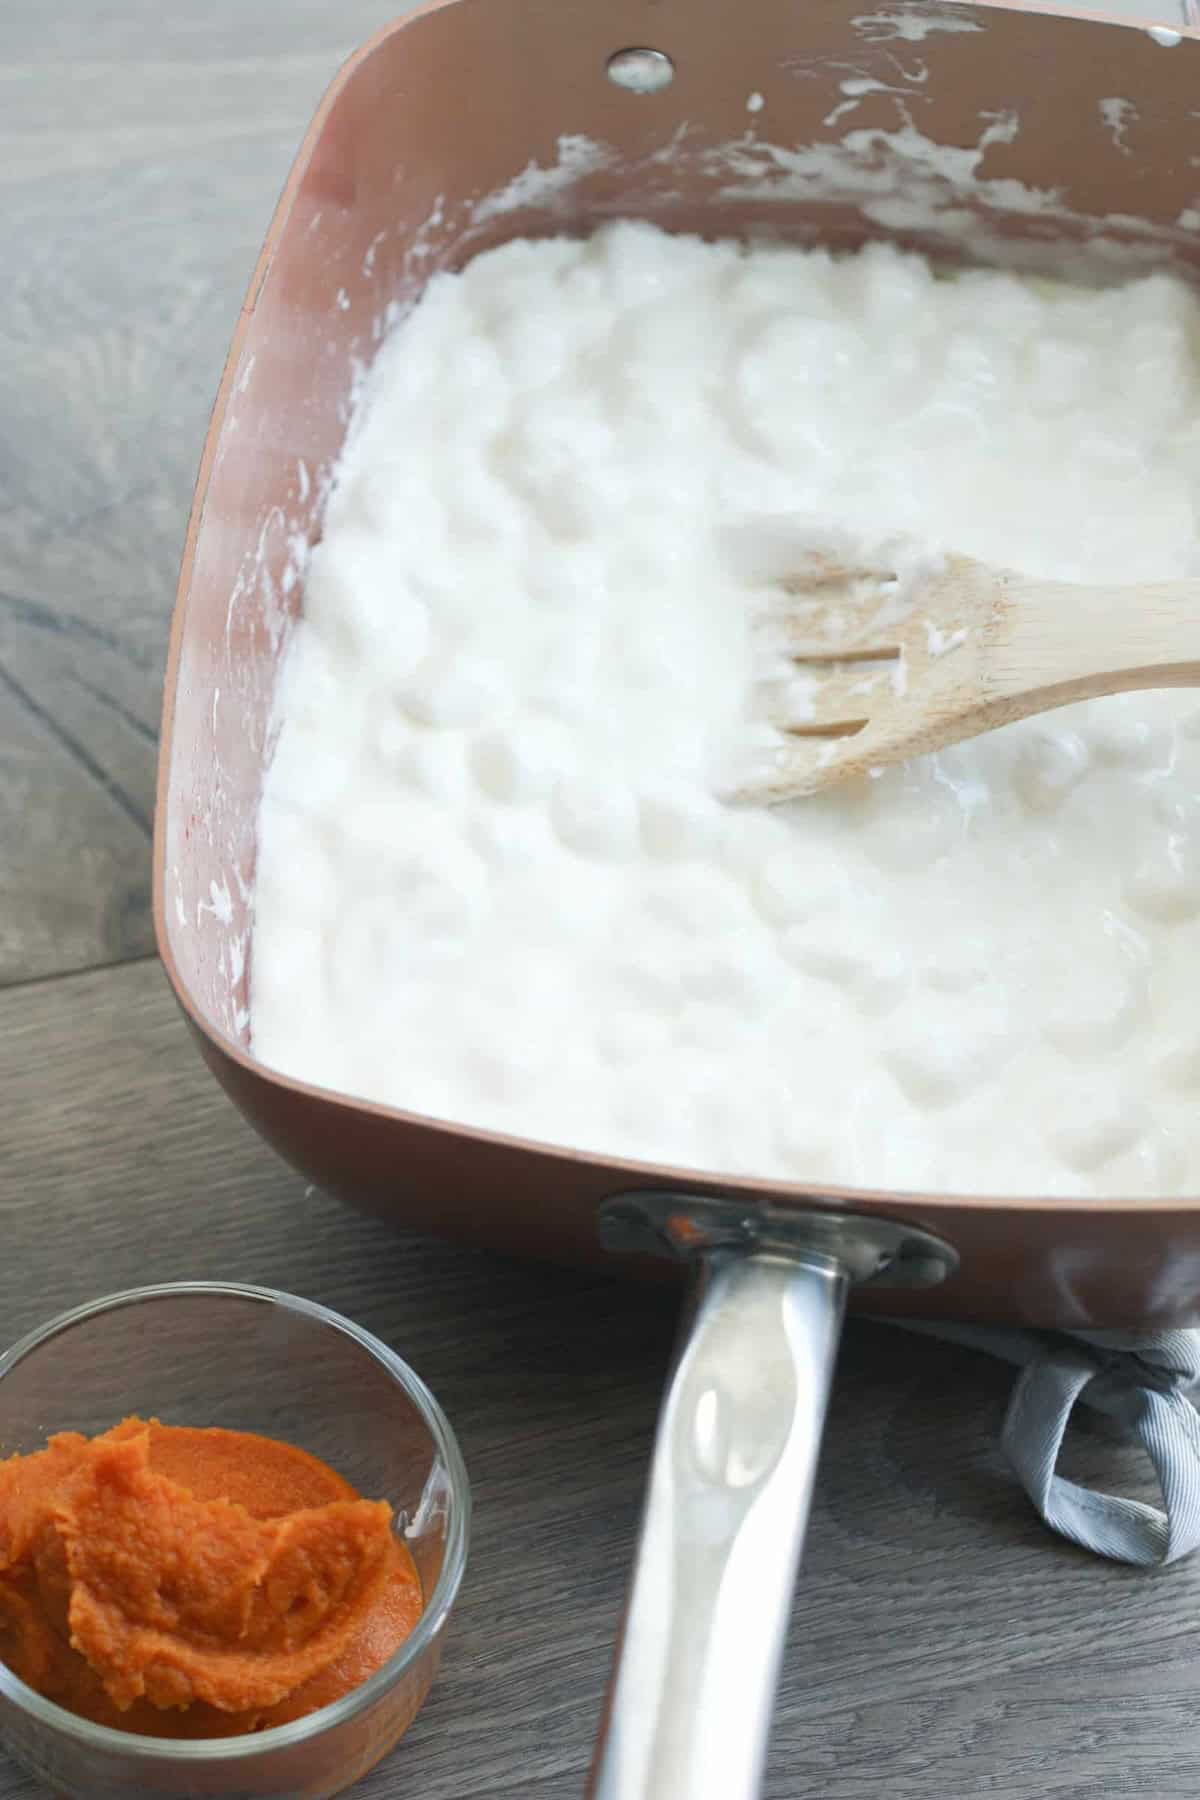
641	71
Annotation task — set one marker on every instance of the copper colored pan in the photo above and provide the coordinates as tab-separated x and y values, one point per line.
967	131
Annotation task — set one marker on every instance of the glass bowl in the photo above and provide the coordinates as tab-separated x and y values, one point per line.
202	1353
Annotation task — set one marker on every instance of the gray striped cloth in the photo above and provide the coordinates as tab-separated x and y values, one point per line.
1142	1383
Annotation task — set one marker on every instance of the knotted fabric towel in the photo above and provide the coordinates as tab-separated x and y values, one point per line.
1142	1383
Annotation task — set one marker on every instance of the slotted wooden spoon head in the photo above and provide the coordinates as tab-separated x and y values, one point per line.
869	665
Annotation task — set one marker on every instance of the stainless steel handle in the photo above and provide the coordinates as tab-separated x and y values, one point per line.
721	1537
689	1707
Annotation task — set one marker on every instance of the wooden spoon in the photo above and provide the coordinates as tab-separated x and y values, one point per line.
879	674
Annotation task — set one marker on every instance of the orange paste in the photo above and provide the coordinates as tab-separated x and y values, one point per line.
194	1583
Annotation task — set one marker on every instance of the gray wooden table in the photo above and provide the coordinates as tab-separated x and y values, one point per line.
944	1643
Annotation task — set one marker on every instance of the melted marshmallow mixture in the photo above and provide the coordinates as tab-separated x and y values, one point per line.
496	883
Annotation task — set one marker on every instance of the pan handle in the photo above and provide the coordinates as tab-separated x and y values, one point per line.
690	1701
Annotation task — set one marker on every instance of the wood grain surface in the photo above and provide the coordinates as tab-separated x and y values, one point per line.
944	1643
142	148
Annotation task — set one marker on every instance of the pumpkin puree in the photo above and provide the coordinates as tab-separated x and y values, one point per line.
194	1583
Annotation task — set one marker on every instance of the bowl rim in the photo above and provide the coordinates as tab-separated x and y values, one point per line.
251	1745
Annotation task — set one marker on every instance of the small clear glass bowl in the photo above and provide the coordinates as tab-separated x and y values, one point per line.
202	1353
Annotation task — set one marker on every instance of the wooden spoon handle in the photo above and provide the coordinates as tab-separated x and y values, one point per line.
1060	643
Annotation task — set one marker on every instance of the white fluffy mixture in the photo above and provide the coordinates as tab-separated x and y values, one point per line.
495	883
